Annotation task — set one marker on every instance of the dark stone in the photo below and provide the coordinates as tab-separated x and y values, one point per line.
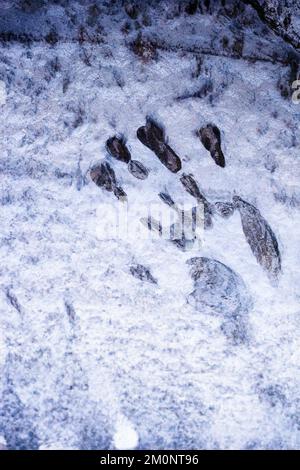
104	176
276	14
120	193
12	299
224	209
217	286
289	75
70	312
141	272
182	233
117	148
152	136
169	158
166	198
192	188
138	170
260	237
210	137
179	238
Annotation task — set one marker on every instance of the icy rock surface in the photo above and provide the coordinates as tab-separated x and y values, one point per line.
220	291
90	356
217	288
260	237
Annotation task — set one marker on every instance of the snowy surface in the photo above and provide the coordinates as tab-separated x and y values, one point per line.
91	357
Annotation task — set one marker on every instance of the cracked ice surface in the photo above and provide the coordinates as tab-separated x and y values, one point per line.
92	357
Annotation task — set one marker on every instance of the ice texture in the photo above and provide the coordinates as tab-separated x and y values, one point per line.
92	357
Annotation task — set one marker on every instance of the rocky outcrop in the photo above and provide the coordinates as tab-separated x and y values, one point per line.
210	137
152	136
104	176
219	291
260	237
278	15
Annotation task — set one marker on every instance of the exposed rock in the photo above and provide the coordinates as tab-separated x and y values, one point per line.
166	198
181	236
70	312
104	176
152	136
260	237
152	224
210	137
169	158
192	188
224	209
141	272
218	290
288	76
189	219
279	15
116	146
119	193
12	299
175	233
138	170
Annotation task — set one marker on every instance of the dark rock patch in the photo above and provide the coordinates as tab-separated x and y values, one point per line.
104	176
152	136
224	209
260	237
175	233
116	147
219	291
141	272
166	198
192	188
138	170
210	137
